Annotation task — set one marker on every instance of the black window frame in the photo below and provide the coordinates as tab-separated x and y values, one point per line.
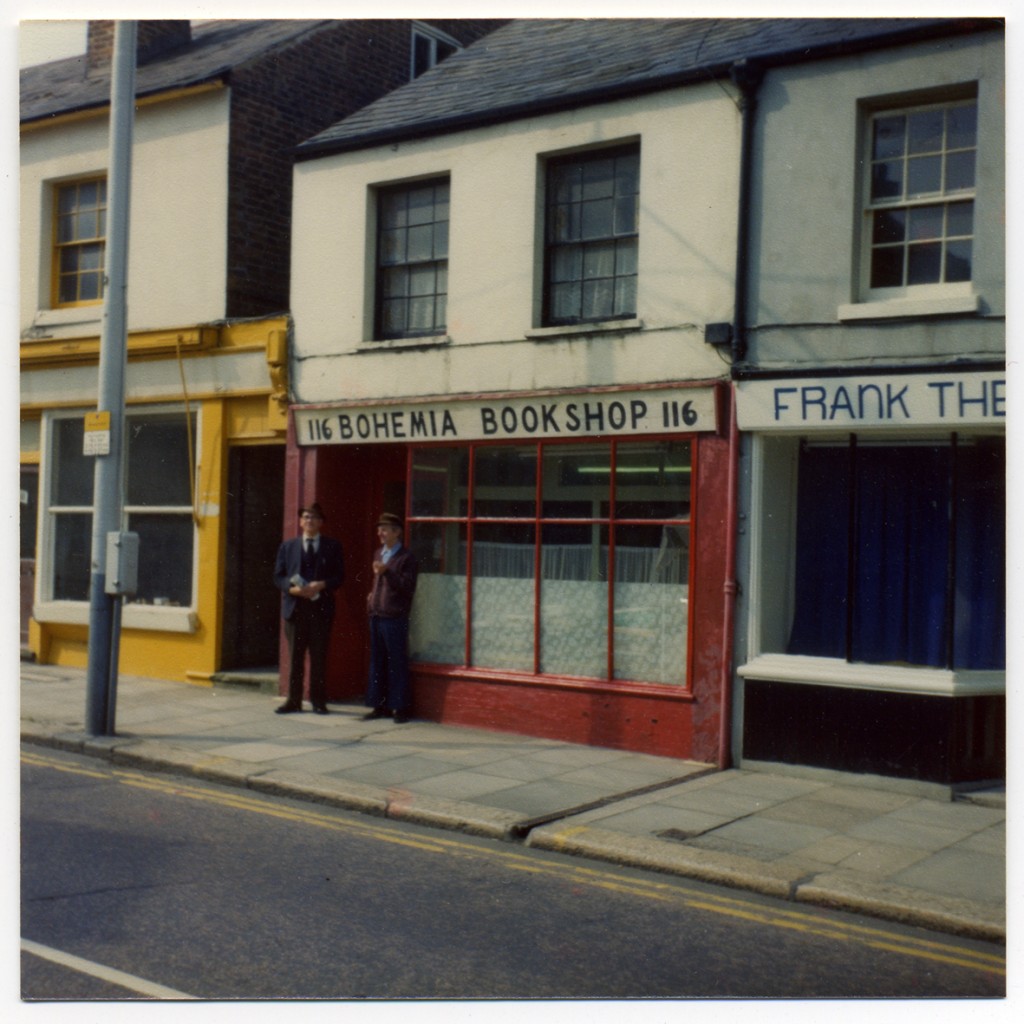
623	237
438	261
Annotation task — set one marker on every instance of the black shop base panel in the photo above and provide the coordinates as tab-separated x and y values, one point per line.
947	740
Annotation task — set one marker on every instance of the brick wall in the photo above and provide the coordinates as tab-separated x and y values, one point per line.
283	99
155	38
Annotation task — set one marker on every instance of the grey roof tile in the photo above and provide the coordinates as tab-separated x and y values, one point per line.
63	86
532	65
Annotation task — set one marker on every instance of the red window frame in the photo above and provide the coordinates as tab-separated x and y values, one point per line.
538	521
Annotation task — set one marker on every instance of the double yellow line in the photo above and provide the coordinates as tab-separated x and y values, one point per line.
802	921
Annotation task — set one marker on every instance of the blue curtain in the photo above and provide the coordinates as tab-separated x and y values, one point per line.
822	522
910	503
980	626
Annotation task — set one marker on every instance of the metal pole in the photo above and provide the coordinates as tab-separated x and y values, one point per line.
104	608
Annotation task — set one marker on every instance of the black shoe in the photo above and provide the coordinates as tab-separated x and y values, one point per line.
375	713
320	709
288	709
401	717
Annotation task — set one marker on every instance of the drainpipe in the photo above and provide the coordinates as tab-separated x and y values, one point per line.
747	76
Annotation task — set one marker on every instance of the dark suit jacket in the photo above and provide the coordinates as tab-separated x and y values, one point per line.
330	567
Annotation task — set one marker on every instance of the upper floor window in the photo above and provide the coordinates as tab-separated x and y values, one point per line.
430	46
591	236
412	260
919	213
80	227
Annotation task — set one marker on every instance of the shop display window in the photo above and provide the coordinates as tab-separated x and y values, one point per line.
554	559
157	506
898	550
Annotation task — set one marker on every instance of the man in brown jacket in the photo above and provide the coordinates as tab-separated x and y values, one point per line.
388	605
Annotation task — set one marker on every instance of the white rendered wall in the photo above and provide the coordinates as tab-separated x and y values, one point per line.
177	248
689	149
805	257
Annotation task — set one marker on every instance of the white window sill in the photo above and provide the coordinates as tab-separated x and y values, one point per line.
69	317
892	309
598	327
794	668
384	344
133	616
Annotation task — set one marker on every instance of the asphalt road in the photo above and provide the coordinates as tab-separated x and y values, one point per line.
162	887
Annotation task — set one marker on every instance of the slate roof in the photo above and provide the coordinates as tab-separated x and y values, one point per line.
534	65
217	47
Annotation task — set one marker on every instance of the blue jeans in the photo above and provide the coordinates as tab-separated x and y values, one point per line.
389	664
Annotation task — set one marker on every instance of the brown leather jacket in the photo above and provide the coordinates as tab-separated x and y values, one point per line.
392	593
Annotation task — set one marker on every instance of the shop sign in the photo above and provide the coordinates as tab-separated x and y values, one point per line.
607	414
943	400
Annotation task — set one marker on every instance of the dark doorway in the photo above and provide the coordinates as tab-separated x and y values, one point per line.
254	515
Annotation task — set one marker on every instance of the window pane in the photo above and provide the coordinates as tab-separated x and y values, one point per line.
625	257
924	263
889	133
421	314
421	206
392	247
576	481
926	223
422	280
393	316
89	287
438	622
924	131
567	263
598	297
625	215
887	180
394	210
651	603
625	296
503	596
72	556
599	260
887	268
652	481
574	601
888	226
395	282
565	302
924	175
598	178
505	481
158	461
960	171
74	471
962	126
440	477
958	261
420	243
165	558
597	219
441	240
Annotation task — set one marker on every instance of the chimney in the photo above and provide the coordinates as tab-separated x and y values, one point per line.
155	39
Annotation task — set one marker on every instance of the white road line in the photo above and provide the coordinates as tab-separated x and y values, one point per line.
129	981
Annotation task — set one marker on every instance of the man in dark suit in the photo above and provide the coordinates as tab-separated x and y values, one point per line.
308	569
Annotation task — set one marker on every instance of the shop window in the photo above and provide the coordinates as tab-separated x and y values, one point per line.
591	236
158	506
919	199
899	556
412	260
554	559
79	233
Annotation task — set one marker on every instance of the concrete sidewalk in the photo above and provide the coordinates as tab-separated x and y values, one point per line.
890	850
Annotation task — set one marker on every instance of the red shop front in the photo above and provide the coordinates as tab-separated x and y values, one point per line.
573	553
